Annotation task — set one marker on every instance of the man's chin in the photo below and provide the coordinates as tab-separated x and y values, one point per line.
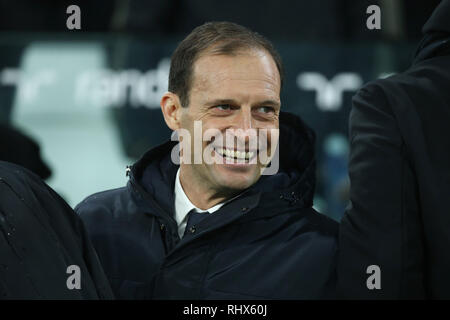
237	180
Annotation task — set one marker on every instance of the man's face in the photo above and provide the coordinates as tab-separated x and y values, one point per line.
232	92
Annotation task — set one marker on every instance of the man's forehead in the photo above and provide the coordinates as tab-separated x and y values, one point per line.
254	68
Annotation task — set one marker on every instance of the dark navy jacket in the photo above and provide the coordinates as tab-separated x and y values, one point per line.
267	244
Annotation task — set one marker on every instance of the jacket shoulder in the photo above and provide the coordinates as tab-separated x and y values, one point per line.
31	189
323	224
422	79
13	172
101	206
377	91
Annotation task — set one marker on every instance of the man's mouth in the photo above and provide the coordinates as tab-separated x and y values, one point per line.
231	154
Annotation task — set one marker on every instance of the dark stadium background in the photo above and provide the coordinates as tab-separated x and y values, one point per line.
77	106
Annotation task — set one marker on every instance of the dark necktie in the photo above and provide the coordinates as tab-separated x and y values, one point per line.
194	218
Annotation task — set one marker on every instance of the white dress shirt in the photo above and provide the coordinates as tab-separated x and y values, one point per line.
183	205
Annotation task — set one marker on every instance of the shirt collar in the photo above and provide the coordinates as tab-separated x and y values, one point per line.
183	205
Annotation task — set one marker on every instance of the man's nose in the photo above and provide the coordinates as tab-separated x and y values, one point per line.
243	132
244	120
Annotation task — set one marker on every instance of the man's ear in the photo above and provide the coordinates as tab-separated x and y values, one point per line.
171	109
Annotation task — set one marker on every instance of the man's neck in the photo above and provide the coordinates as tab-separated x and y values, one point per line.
199	193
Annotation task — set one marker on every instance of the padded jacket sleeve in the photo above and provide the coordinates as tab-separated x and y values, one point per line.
381	252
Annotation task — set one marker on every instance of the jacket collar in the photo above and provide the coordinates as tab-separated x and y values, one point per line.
436	40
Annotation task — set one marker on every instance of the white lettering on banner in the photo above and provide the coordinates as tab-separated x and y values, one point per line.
100	88
107	88
28	85
329	94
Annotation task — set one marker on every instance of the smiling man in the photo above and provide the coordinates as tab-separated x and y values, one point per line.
228	93
226	212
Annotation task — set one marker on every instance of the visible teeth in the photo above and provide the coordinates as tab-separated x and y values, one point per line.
235	154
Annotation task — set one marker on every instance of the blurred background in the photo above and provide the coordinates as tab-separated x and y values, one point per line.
77	106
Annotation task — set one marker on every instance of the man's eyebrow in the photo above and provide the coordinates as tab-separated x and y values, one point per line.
223	101
268	103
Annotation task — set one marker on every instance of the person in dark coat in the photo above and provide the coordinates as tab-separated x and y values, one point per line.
45	252
394	238
218	230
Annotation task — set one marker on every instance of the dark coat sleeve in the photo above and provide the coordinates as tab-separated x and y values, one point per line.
89	255
40	237
382	225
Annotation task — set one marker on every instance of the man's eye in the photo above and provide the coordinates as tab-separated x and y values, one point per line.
265	109
223	107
